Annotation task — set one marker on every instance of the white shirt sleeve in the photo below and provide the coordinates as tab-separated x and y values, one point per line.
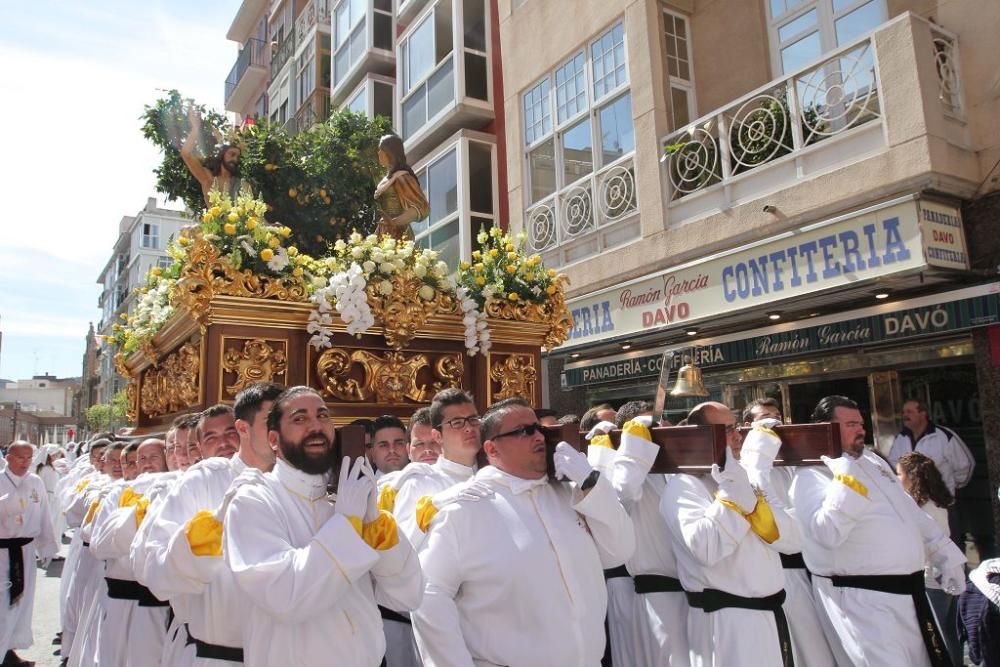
609	523
827	511
962	462
709	530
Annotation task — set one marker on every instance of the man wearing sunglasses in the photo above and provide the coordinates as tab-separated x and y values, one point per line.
422	489
516	578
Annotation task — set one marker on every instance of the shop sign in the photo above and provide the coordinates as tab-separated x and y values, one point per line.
874	243
943	236
882	327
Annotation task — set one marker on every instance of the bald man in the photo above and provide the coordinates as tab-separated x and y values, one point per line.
25	534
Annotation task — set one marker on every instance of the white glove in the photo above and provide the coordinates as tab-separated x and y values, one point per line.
353	489
248	476
953	580
842	465
759	447
571	464
734	484
44	562
472	490
602	427
371	511
645	420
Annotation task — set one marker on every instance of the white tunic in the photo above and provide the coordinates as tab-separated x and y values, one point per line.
845	533
24	512
659	632
400	645
422	479
310	578
516	579
716	549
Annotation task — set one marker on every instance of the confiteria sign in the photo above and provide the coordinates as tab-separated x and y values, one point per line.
899	236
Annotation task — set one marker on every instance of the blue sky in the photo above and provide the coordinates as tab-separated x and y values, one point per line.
75	78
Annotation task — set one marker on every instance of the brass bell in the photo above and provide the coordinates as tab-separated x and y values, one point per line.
689	383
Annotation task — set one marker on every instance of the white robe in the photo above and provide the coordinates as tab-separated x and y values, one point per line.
658	632
200	589
516	579
51	478
24	512
845	533
400	645
422	479
716	549
312	582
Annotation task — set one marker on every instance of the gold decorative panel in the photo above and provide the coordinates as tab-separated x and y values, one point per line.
257	360
389	378
516	374
174	384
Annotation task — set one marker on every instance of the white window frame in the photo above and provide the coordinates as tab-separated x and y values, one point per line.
310	53
369	41
458	48
150	240
164	261
463	212
687	85
367	89
826	19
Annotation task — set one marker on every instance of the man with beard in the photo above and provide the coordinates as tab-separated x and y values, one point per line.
221	172
312	568
515	578
387	452
133	623
25	534
866	543
181	559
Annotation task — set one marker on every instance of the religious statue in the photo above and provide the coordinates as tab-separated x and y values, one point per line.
398	196
221	171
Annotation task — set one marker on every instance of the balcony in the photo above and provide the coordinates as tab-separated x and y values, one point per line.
408	9
245	20
596	212
898	84
315	109
363	43
315	14
247	76
282	54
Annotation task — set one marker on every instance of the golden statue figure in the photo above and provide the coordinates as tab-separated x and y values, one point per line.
398	196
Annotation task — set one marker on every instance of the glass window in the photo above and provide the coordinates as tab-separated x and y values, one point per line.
382	31
537	119
359	103
443	35
446	240
680	104
440	89
617	135
542	170
801	53
164	262
608	55
862	20
806	29
414	112
678	55
342	23
480	177
150	235
804	22
474	18
578	151
383	99
571	88
476	78
419	54
442	184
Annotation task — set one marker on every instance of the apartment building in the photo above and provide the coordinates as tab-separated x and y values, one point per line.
795	195
141	245
247	82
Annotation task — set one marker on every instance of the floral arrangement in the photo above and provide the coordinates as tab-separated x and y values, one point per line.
154	306
501	270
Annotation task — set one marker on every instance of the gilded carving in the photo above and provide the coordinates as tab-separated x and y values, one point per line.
205	274
404	311
516	375
553	312
256	362
174	384
389	377
132	408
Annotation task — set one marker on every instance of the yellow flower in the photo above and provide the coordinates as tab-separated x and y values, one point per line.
510	247
511	255
252	224
322	193
156	270
463	265
535	259
267	254
215	211
513	296
494	252
480	281
229	228
285	232
123	316
269	167
551	273
233	217
476	254
183	240
478	266
274	242
550	290
293	251
293	193
297	271
529	276
511	268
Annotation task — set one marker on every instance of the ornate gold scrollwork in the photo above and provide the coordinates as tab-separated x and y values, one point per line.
205	274
389	377
404	311
256	362
553	312
132	408
174	384
516	375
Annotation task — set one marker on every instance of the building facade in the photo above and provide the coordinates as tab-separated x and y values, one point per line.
141	245
41	409
789	193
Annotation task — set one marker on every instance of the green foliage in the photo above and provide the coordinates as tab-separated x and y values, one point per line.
105	416
319	182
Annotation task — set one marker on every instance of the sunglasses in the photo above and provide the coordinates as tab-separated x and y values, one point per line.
521	431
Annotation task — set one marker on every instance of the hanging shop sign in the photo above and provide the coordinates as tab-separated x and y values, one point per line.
930	316
896	237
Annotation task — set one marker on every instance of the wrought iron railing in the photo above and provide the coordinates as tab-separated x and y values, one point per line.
821	101
317	11
252	55
315	109
598	199
281	54
946	64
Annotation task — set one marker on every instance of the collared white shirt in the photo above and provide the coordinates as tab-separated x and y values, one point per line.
517	578
24	512
417	480
309	576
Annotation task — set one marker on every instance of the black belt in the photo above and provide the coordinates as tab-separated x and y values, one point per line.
390	615
905	584
710	600
616	573
213	651
657	583
15	556
123	589
793	561
86	544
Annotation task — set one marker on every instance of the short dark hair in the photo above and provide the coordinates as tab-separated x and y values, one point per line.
541	413
921	406
103	435
248	402
589	419
631	410
131	447
421	416
489	424
386	421
767	401
278	407
444	398
100	442
217	410
824	409
365	423
190	422
180	421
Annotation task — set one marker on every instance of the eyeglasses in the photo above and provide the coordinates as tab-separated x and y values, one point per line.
521	431
459	423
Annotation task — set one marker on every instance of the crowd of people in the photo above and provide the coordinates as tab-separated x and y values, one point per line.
240	538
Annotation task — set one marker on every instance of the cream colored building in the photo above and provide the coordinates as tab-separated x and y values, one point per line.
739	180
